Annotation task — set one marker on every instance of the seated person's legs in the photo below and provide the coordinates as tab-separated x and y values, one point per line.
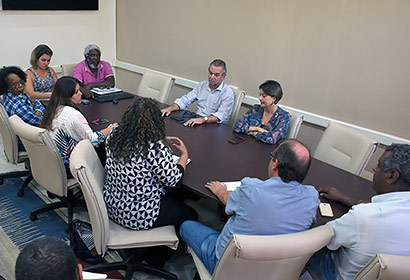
202	240
174	212
322	264
68	171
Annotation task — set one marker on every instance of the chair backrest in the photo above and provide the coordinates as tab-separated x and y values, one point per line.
46	163
9	137
67	69
385	267
87	169
155	85
295	122
345	148
270	256
239	96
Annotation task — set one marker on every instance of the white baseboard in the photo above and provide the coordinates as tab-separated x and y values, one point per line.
309	117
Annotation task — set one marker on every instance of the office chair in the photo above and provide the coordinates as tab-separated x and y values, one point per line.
155	85
47	166
295	123
239	96
266	256
67	69
87	169
385	267
345	148
13	155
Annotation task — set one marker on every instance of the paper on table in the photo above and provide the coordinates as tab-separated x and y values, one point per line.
102	91
176	158
92	275
231	186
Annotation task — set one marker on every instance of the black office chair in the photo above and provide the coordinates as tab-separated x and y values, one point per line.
12	153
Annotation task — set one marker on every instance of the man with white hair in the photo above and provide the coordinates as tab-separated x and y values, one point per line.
92	71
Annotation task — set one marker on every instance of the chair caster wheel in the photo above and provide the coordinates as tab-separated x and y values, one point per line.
51	195
20	193
33	217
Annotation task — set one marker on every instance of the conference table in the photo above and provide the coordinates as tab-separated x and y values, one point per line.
214	158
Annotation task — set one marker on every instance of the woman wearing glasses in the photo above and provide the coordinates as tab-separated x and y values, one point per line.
14	99
40	76
65	122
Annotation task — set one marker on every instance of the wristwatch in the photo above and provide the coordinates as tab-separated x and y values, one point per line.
206	119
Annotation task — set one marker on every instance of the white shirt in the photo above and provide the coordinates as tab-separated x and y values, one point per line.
382	226
69	127
218	102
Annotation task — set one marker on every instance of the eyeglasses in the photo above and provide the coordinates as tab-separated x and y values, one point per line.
272	155
16	85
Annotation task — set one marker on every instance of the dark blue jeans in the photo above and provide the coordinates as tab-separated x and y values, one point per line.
322	264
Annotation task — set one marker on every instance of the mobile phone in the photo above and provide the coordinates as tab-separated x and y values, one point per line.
325	210
236	140
85	101
100	121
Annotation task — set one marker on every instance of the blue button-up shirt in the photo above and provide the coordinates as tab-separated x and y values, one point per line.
21	106
268	207
218	102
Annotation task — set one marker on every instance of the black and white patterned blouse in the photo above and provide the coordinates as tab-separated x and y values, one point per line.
133	191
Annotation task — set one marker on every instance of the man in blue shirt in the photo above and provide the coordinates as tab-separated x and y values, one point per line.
15	101
278	205
215	98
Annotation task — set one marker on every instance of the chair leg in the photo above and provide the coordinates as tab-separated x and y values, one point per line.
27	181
104	267
70	205
13	174
155	271
131	264
45	208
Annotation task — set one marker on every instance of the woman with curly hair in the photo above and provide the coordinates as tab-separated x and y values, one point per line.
15	100
66	123
139	166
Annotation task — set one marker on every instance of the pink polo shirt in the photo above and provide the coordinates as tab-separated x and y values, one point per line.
83	73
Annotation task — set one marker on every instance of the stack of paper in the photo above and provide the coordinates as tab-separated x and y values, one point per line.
92	275
176	158
102	91
231	186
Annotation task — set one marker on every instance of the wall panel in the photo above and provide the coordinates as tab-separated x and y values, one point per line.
346	60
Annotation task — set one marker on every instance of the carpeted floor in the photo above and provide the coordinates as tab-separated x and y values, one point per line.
15	212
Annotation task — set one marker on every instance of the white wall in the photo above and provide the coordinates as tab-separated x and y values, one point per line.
65	32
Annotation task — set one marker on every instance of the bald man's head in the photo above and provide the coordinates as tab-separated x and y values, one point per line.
293	160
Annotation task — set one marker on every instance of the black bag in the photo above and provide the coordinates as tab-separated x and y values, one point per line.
80	232
182	116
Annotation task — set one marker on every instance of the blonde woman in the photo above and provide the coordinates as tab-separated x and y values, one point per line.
40	76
